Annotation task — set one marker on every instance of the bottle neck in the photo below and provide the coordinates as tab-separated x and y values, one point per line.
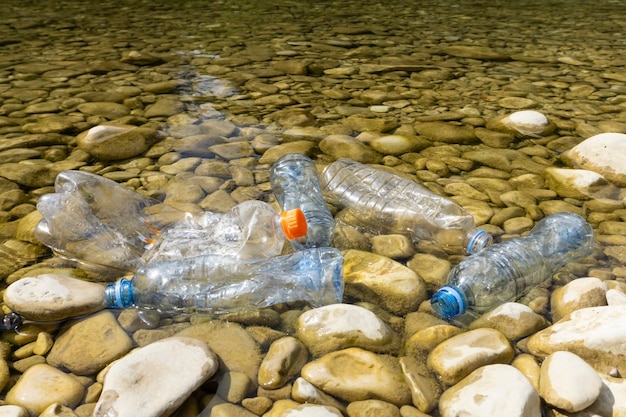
119	294
478	239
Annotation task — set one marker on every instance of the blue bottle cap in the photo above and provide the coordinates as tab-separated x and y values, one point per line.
448	302
480	240
119	294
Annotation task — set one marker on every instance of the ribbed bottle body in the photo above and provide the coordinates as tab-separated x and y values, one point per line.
295	183
221	284
381	202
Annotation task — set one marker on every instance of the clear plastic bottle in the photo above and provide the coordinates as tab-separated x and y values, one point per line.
507	271
111	229
95	221
295	183
222	284
382	203
251	229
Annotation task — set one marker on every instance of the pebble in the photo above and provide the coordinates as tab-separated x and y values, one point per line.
601	153
283	361
115	142
52	297
488	389
143	384
578	294
579	183
35	397
339	326
560	382
514	320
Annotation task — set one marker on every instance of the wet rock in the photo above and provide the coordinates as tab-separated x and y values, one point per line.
164	107
595	334
398	144
560	382
13	411
90	344
527	365
446	132
393	246
142	383
284	360
29	391
458	356
525	123
114	142
475	52
578	294
355	374
233	150
372	408
305	392
273	154
425	390
579	183
234	386
486	389
602	153
339	326
344	146
513	320
380	280
109	111
35	174
52	297
312	410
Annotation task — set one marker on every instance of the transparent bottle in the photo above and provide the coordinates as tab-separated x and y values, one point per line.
384	203
223	284
507	271
95	221
295	183
251	229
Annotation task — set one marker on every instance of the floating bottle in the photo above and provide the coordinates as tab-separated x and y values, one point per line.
251	229
295	183
222	284
507	271
380	202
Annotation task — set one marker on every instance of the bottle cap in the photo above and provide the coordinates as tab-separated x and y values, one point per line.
119	294
448	302
478	241
293	223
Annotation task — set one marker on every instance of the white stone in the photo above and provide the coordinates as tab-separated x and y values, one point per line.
615	297
312	410
527	122
488	392
13	411
155	379
561	382
604	154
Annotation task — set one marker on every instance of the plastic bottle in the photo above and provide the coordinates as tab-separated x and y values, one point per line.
295	183
95	221
251	229
507	271
111	229
383	203
222	284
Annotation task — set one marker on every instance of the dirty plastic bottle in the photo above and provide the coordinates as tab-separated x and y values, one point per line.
251	229
223	284
507	271
295	183
95	221
383	203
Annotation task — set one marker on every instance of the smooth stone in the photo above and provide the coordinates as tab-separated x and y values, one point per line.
518	225
51	297
156	379
615	297
234	387
425	390
602	153
525	123
514	320
233	150
51	124
305	392
164	107
596	334
460	355
283	360
339	326
360	123
368	408
487	391
445	132
37	174
398	144
5	373
579	183
527	365
236	349
432	269
494	139
423	341
343	146
577	294
355	374
90	344
42	385
312	410
517	103
475	52
560	382
13	411
490	158
114	142
273	154
110	111
382	281
610	402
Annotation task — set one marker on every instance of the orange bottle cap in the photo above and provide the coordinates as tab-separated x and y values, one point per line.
293	223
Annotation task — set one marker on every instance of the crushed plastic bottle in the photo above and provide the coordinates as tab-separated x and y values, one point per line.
507	271
295	183
251	229
103	225
95	222
380	202
222	284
